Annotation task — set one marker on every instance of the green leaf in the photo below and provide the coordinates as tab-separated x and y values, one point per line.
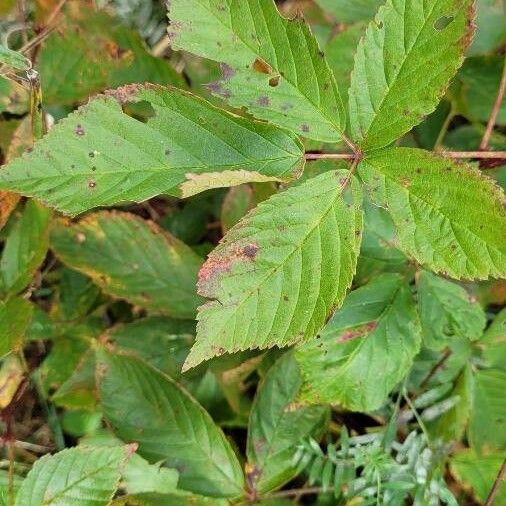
365	349
452	424
491	29
77	295
349	11
493	342
479	472
426	195
271	65
176	498
25	248
78	476
279	273
13	59
101	156
481	78
145	406
133	259
488	417
162	342
447	311
339	52
15	317
403	65
277	425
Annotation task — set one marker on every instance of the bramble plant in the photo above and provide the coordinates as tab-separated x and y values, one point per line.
349	339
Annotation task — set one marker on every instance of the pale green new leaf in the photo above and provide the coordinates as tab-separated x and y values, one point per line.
145	406
403	65
101	156
271	65
79	476
25	248
349	11
15	316
277	425
449	217
278	274
132	259
488	415
365	349
447	311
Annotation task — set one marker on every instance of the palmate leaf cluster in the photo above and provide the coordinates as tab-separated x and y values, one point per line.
197	309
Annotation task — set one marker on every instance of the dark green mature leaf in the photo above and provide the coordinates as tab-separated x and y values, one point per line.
479	473
279	273
349	11
101	156
426	195
447	311
271	65
147	407
340	51
79	476
493	342
277	425
25	248
488	417
133	259
365	349
15	317
403	65
481	78
162	342
176	498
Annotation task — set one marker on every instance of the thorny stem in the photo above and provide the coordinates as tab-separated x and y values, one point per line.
497	484
495	110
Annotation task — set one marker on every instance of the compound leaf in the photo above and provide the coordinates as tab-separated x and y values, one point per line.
447	311
277	425
271	65
79	476
277	275
133	259
448	216
365	349
403	65
145	406
101	156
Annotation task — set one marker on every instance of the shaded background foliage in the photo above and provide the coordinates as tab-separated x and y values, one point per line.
94	337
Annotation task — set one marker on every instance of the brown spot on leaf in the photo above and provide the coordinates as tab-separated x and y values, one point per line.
304	127
263	101
261	66
274	81
92	184
217	88
357	332
79	130
227	71
250	250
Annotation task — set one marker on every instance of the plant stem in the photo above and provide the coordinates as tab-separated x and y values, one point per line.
436	367
497	484
448	154
495	110
298	491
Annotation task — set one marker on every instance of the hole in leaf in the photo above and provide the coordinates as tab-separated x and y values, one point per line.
141	110
442	22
